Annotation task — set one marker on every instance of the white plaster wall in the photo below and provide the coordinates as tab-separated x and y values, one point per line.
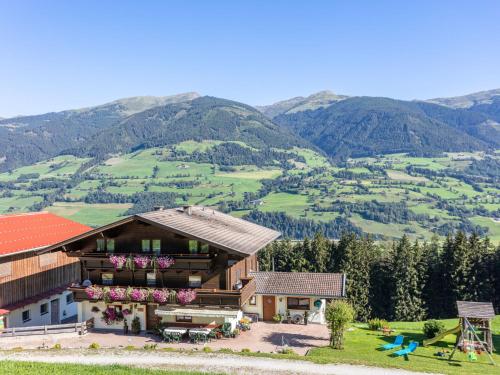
316	314
254	309
15	318
85	313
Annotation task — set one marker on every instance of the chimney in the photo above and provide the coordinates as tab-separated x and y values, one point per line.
158	208
188	210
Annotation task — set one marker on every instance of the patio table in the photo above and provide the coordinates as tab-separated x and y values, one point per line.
178	330
197	334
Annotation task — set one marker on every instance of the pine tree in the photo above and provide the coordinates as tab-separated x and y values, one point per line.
407	286
320	248
356	264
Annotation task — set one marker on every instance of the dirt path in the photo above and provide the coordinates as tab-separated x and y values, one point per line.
220	363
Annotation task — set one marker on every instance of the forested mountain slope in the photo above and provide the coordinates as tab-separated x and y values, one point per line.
27	139
366	126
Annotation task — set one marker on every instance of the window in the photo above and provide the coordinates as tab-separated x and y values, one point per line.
101	245
110	246
194	281
151	279
253	300
146	246
204	248
156	246
107	278
298	303
44	308
26	316
69	299
193	246
238	276
184	318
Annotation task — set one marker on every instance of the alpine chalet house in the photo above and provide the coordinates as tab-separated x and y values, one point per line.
33	288
188	266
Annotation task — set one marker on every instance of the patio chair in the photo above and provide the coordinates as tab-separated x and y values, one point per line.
398	341
167	337
410	349
226	330
212	335
176	337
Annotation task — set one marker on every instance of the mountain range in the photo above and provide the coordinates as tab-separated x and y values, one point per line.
336	125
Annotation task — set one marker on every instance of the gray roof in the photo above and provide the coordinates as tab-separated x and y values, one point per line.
214	227
327	285
481	310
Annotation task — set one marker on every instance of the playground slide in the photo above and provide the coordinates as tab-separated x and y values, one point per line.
442	335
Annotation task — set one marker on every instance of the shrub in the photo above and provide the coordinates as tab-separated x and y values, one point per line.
287	351
149	346
130	347
377	324
246	350
277	318
136	326
207	349
225	350
338	315
432	328
57	346
94	345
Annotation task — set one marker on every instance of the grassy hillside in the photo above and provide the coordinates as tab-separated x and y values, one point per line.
386	196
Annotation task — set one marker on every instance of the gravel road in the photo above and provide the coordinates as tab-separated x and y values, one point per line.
206	362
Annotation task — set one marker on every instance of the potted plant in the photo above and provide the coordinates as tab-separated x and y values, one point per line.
125	327
288	317
277	318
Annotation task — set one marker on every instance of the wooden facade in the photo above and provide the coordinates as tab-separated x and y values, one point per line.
27	275
224	275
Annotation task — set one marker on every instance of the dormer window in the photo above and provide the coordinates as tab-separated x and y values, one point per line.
101	245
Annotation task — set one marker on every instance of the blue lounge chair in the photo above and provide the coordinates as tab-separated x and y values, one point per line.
410	349
398	341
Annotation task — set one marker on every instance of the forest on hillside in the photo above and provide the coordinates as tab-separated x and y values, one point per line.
404	281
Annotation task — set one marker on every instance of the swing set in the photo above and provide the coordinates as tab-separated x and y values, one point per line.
475	321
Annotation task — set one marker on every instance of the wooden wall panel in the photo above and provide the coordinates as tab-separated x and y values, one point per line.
28	278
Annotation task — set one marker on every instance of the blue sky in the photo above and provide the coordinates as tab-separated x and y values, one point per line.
58	55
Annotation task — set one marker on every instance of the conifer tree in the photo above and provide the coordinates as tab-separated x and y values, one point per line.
356	265
407	286
320	248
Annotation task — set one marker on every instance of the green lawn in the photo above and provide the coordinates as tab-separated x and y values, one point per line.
32	368
361	348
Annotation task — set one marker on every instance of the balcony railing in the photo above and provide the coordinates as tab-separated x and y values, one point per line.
204	297
195	262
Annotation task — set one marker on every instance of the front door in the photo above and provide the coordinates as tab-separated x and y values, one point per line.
151	317
54	311
269	309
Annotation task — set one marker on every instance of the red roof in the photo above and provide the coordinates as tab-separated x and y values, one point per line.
21	232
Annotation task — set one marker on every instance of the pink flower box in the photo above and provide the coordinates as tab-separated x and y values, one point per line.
165	262
94	292
138	295
185	296
141	261
160	296
117	294
118	261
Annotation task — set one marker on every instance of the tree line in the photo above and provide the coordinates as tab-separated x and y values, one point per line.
406	280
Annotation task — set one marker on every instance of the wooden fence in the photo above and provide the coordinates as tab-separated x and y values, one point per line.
81	328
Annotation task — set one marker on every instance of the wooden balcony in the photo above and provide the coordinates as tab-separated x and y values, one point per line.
204	297
190	262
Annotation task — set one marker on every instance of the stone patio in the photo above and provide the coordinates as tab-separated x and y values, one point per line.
263	337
